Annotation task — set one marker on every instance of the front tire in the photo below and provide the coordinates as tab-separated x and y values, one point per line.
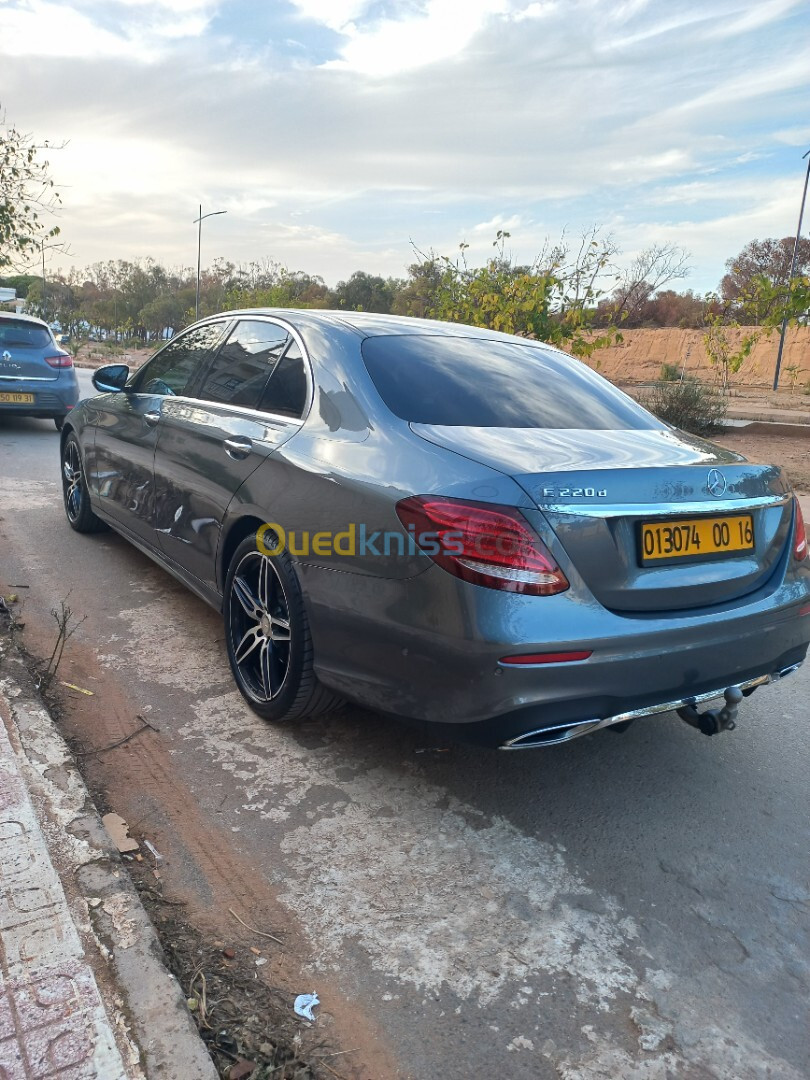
268	639
74	490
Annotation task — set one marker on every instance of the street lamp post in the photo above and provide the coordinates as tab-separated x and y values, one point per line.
792	272
198	222
43	247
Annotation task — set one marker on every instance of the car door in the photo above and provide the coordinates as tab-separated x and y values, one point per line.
120	466
208	447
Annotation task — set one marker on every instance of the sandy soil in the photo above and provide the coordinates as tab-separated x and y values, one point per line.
641	354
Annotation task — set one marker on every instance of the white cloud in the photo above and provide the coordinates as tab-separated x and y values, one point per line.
335	14
38	28
795	136
45	28
498	222
444	28
753	17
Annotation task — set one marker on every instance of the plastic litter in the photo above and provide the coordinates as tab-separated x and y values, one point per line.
304	1005
78	689
158	857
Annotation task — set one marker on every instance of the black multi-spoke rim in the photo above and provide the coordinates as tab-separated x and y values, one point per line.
259	626
72	481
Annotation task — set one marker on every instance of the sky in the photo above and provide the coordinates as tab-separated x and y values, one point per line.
339	134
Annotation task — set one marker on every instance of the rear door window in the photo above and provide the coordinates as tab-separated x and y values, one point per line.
175	368
286	393
241	368
478	382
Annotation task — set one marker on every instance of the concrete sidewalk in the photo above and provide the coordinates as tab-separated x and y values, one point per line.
84	992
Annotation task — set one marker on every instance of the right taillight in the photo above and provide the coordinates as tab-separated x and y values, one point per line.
482	543
800	533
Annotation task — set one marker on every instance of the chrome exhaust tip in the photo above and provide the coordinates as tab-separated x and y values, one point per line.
783	674
552	736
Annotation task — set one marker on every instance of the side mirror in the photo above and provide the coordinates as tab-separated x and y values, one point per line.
111	379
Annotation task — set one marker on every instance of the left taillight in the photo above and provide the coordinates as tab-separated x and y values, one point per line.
800	532
61	361
482	543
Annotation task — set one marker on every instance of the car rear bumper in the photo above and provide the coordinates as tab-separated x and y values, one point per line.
59	398
428	649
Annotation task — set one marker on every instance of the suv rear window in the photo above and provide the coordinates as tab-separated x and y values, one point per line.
475	382
24	335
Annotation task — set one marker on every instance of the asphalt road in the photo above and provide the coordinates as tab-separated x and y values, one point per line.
628	905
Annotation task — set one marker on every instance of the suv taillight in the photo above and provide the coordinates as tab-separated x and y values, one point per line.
59	361
482	543
800	533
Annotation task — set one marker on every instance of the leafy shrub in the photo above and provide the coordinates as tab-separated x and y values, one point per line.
669	373
687	404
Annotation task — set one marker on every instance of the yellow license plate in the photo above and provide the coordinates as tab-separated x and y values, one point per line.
18	399
696	538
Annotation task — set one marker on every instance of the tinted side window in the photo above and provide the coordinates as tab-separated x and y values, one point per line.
477	382
175	367
286	393
240	371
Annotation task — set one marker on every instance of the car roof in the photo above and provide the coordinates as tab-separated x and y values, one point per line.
24	318
372	324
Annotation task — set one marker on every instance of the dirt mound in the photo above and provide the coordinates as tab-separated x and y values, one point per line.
642	353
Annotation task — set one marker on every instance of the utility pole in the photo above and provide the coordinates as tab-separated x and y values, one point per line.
198	222
44	286
792	273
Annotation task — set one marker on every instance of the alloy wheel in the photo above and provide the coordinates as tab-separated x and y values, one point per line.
72	481
259	626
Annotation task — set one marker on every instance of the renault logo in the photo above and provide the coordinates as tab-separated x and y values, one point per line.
716	483
6	356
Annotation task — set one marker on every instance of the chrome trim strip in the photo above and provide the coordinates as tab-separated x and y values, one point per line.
223	408
577	728
543	663
664	509
31	378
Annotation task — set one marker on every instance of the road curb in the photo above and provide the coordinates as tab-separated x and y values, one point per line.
753	426
144	1005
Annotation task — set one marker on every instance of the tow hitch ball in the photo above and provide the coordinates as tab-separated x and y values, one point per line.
713	721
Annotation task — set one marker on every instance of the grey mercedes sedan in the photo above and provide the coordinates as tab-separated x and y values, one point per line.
458	527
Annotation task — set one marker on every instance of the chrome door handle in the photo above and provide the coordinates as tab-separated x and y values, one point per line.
151	418
238	448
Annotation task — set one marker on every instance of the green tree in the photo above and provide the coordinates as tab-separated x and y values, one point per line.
162	313
553	300
366	292
19	282
273	285
27	196
719	347
761	271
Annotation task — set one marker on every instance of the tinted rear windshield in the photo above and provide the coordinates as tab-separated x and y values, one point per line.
23	334
474	382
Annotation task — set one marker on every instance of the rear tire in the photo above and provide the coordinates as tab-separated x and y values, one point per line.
74	490
268	638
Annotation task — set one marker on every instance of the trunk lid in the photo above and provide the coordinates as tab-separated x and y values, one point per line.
23	348
596	489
